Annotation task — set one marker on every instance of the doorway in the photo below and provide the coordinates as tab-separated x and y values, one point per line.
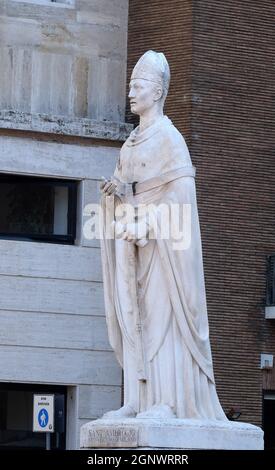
16	417
269	420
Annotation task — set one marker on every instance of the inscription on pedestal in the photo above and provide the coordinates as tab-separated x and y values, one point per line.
113	437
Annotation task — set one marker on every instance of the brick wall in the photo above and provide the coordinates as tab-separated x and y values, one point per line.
222	99
165	27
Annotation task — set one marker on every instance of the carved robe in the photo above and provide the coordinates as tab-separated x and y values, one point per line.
169	285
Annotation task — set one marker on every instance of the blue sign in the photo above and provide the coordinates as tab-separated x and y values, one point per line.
43	418
43	413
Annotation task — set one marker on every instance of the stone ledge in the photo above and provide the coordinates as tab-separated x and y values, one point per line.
170	434
80	127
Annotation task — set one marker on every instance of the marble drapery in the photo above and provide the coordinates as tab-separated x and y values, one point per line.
169	289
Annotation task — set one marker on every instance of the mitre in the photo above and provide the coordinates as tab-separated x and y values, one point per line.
154	67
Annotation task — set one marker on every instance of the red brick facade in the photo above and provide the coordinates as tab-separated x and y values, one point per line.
167	27
222	99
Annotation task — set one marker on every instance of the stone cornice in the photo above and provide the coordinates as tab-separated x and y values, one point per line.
64	125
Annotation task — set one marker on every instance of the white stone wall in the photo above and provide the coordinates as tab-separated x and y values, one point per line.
51	303
65	58
63	71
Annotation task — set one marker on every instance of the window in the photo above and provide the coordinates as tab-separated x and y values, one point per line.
34	208
268	420
16	417
270	288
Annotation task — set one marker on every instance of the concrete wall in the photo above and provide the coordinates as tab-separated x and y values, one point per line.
52	322
65	58
63	71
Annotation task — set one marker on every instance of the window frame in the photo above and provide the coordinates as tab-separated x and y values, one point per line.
72	186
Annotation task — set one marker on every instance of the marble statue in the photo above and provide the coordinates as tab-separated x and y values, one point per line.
154	290
155	294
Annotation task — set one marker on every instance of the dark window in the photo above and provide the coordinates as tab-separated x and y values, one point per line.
270	285
16	417
33	208
268	420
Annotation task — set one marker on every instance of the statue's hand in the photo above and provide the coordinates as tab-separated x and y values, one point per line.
128	233
136	231
107	187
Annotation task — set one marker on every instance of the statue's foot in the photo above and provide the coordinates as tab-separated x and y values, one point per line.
127	411
157	412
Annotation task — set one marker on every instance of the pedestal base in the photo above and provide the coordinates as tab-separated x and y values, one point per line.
170	434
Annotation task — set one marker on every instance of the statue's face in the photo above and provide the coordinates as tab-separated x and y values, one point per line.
143	95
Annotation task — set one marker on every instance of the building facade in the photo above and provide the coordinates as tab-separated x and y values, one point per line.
62	120
62	105
222	99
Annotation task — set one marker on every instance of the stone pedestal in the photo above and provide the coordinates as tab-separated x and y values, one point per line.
170	434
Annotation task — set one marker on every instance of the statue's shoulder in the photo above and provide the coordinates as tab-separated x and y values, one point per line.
171	135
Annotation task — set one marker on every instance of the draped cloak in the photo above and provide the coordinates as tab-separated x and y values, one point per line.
169	285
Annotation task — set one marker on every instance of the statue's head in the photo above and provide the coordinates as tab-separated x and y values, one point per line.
149	82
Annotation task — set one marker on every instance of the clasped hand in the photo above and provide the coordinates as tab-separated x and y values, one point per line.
132	232
107	187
